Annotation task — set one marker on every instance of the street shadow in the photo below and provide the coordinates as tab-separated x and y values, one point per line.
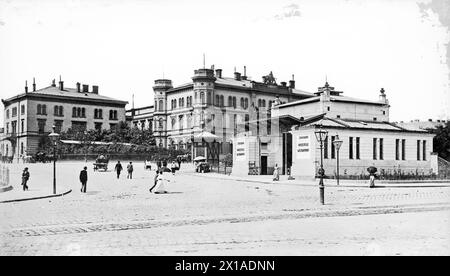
411	186
167	193
92	192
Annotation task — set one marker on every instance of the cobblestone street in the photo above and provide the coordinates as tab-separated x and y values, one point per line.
216	215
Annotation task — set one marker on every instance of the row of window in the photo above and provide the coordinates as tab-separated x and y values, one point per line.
77	126
377	148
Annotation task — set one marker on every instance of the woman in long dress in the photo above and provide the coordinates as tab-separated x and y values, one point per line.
161	181
276	173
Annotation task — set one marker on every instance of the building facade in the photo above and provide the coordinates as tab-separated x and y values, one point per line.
223	106
369	139
31	115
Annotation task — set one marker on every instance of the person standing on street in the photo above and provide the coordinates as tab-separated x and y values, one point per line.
179	162
118	168
130	170
173	167
83	179
25	177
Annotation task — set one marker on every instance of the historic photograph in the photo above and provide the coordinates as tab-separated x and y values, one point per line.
230	128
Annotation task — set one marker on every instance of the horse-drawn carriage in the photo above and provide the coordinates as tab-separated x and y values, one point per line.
101	163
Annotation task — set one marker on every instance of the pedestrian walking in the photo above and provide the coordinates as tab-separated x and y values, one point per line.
164	163
118	168
173	167
158	164
155	181
25	177
372	170
179	162
130	170
83	179
276	173
161	181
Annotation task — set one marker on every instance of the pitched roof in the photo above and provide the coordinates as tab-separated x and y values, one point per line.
53	91
355	124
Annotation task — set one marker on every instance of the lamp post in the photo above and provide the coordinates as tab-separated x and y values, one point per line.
337	144
54	137
85	145
321	135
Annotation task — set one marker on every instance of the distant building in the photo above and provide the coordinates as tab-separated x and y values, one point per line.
369	139
425	125
31	115
211	103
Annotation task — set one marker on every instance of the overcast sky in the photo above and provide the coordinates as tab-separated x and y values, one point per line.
123	46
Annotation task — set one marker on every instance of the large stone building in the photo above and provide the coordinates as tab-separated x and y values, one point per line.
369	139
31	115
223	106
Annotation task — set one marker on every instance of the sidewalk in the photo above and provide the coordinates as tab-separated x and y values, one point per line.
267	179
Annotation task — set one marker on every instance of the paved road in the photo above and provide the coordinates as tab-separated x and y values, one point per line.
122	217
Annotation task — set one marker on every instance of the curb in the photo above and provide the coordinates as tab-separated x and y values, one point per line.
380	184
33	198
5	189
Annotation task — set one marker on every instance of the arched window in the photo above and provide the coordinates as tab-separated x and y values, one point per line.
160	123
83	112
39	109
222	101
242	103
55	110
44	109
74	112
173	123
264	103
61	110
100	113
95	113
259	103
234	102
78	112
246	103
217	103
160	105
230	101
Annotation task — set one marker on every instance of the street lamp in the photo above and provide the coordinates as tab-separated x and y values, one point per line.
337	144
54	137
321	135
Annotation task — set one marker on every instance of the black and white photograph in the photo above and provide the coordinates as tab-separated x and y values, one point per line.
225	128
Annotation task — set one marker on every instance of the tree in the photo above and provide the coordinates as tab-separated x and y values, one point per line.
441	142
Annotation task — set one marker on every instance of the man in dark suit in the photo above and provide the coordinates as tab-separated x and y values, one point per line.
83	179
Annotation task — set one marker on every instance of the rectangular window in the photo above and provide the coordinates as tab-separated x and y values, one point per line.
424	149
22	125
333	150
403	149
397	149
7	114
325	148
381	149
14	111
357	147
374	148
58	126
350	147
235	124
247	124
22	109
41	126
79	126
98	126
418	149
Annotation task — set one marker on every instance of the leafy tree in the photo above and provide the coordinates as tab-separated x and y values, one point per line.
441	142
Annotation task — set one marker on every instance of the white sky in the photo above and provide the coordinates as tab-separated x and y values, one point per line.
123	46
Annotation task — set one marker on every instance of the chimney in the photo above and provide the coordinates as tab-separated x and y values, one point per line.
219	73
61	84
26	87
95	89
34	85
244	77
292	82
237	76
283	83
53	83
78	87
430	120
85	88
